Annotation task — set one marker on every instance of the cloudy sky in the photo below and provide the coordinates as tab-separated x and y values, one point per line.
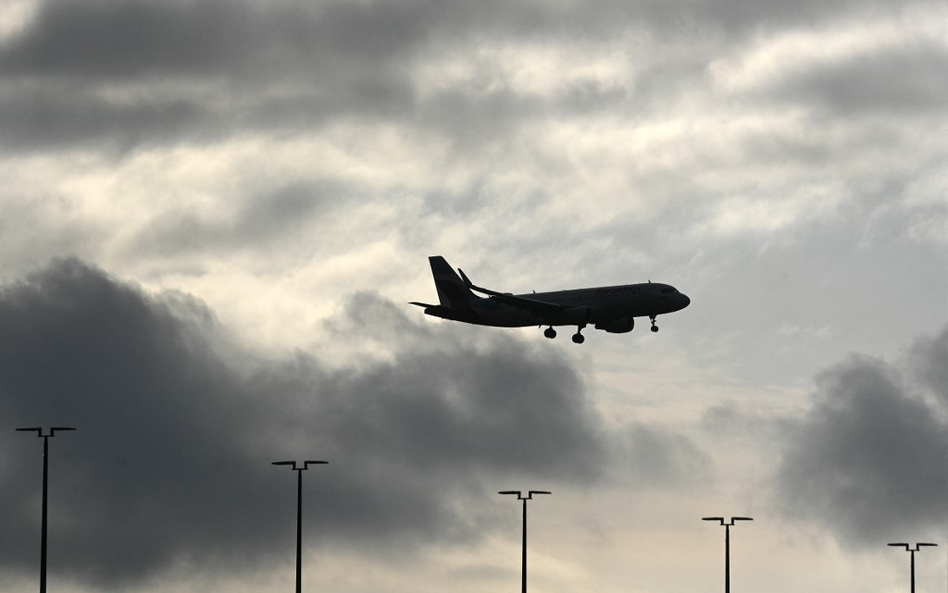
213	214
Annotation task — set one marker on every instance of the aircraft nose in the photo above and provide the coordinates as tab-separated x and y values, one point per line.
685	301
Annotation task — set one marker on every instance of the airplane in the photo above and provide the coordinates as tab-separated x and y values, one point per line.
609	308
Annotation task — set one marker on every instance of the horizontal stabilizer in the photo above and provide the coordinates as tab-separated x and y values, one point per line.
417	304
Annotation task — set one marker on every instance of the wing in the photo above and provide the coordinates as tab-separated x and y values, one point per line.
541	308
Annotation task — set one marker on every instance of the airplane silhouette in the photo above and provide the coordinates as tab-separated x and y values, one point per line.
609	308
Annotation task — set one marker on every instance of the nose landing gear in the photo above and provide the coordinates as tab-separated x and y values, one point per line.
654	327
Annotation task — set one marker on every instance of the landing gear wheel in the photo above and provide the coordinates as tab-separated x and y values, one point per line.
550	333
654	327
578	338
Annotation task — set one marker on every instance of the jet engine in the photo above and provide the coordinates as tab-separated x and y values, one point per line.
617	326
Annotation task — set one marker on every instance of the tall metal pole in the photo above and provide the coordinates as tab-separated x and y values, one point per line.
299	532
912	551
299	515
727	558
913	571
45	514
523	552
727	546
523	564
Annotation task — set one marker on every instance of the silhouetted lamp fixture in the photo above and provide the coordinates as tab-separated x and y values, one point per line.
912	550
299	515
727	545
529	496
45	437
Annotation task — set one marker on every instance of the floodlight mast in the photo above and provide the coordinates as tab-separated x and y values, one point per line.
529	496
912	550
727	545
39	432
299	514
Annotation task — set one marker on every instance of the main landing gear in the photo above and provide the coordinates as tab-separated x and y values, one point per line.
578	338
654	327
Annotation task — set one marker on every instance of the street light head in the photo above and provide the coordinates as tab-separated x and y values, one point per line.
310	462
920	545
900	545
514	492
721	519
284	463
39	431
532	492
742	518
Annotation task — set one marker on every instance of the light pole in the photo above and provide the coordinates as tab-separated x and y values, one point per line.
529	496
727	545
299	515
912	550
45	437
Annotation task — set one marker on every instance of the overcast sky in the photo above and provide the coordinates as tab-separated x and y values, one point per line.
214	213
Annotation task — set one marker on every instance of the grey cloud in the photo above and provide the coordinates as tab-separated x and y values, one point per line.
927	359
732	420
38	116
868	460
121	39
655	457
174	65
280	216
30	212
470	120
170	465
209	38
889	81
68	114
289	65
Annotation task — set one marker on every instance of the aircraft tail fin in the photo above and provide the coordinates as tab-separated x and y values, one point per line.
452	291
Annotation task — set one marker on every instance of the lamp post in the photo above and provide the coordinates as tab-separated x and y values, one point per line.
299	515
45	437
727	545
912	550
529	496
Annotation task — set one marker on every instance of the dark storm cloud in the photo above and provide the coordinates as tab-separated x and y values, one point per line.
177	429
869	460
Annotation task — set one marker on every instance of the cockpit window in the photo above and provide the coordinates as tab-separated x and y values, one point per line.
668	290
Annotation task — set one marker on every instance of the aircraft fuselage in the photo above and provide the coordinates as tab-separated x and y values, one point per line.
609	308
599	305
